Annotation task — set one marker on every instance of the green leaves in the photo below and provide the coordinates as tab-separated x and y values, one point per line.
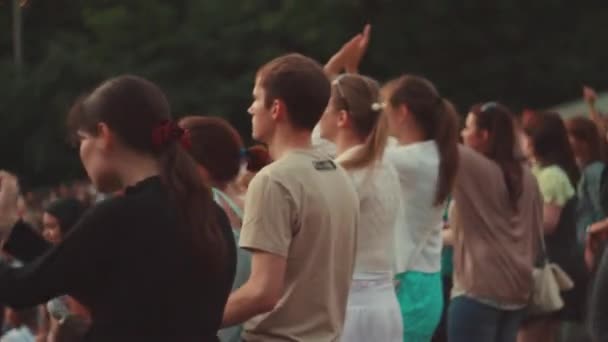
205	54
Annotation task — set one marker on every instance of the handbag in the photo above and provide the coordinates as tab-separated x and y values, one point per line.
549	281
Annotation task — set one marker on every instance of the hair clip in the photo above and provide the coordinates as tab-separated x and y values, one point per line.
488	105
185	140
165	133
244	153
378	106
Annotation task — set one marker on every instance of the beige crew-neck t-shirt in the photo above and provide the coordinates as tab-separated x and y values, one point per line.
303	207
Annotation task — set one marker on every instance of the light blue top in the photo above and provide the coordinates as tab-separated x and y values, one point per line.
21	334
243	264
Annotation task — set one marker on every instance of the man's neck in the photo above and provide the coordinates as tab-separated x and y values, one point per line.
289	141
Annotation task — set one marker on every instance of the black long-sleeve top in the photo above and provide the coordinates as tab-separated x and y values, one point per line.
127	263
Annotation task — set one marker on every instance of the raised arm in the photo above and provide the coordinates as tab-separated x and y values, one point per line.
350	54
354	59
590	97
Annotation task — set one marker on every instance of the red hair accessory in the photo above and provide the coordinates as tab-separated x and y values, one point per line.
185	140
168	132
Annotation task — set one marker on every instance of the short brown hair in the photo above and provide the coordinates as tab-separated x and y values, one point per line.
217	146
301	84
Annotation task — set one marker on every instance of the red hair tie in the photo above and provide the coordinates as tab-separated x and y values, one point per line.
185	140
168	132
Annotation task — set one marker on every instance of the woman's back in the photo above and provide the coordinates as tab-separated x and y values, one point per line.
379	194
420	221
495	245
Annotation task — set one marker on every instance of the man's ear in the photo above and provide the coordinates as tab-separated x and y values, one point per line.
278	110
108	139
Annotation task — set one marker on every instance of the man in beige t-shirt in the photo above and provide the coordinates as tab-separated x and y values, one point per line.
301	214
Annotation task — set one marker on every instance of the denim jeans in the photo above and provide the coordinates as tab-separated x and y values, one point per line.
472	321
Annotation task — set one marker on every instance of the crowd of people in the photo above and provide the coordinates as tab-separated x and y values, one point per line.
370	213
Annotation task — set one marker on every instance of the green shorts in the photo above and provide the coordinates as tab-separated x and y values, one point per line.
420	296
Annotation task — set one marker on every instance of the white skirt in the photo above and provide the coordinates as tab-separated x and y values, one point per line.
373	312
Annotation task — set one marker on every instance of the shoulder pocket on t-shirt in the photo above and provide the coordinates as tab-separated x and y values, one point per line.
324	165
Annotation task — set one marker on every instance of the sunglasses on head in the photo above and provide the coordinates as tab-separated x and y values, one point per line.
487	106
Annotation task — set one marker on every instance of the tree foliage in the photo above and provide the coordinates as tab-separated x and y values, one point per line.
205	54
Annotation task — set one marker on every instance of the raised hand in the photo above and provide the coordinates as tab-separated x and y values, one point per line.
337	62
356	54
350	54
9	193
589	94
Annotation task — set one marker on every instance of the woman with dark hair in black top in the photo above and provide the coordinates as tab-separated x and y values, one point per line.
60	217
156	264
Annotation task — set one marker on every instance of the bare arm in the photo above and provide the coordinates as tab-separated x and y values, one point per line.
349	56
354	59
599	227
448	236
260	293
551	215
590	97
335	65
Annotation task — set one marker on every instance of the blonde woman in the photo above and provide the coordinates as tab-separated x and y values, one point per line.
354	122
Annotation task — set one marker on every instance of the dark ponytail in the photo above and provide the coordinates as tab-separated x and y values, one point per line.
499	122
447	143
136	110
194	202
438	119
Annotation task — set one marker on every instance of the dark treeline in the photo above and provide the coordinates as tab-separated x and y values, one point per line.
205	53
